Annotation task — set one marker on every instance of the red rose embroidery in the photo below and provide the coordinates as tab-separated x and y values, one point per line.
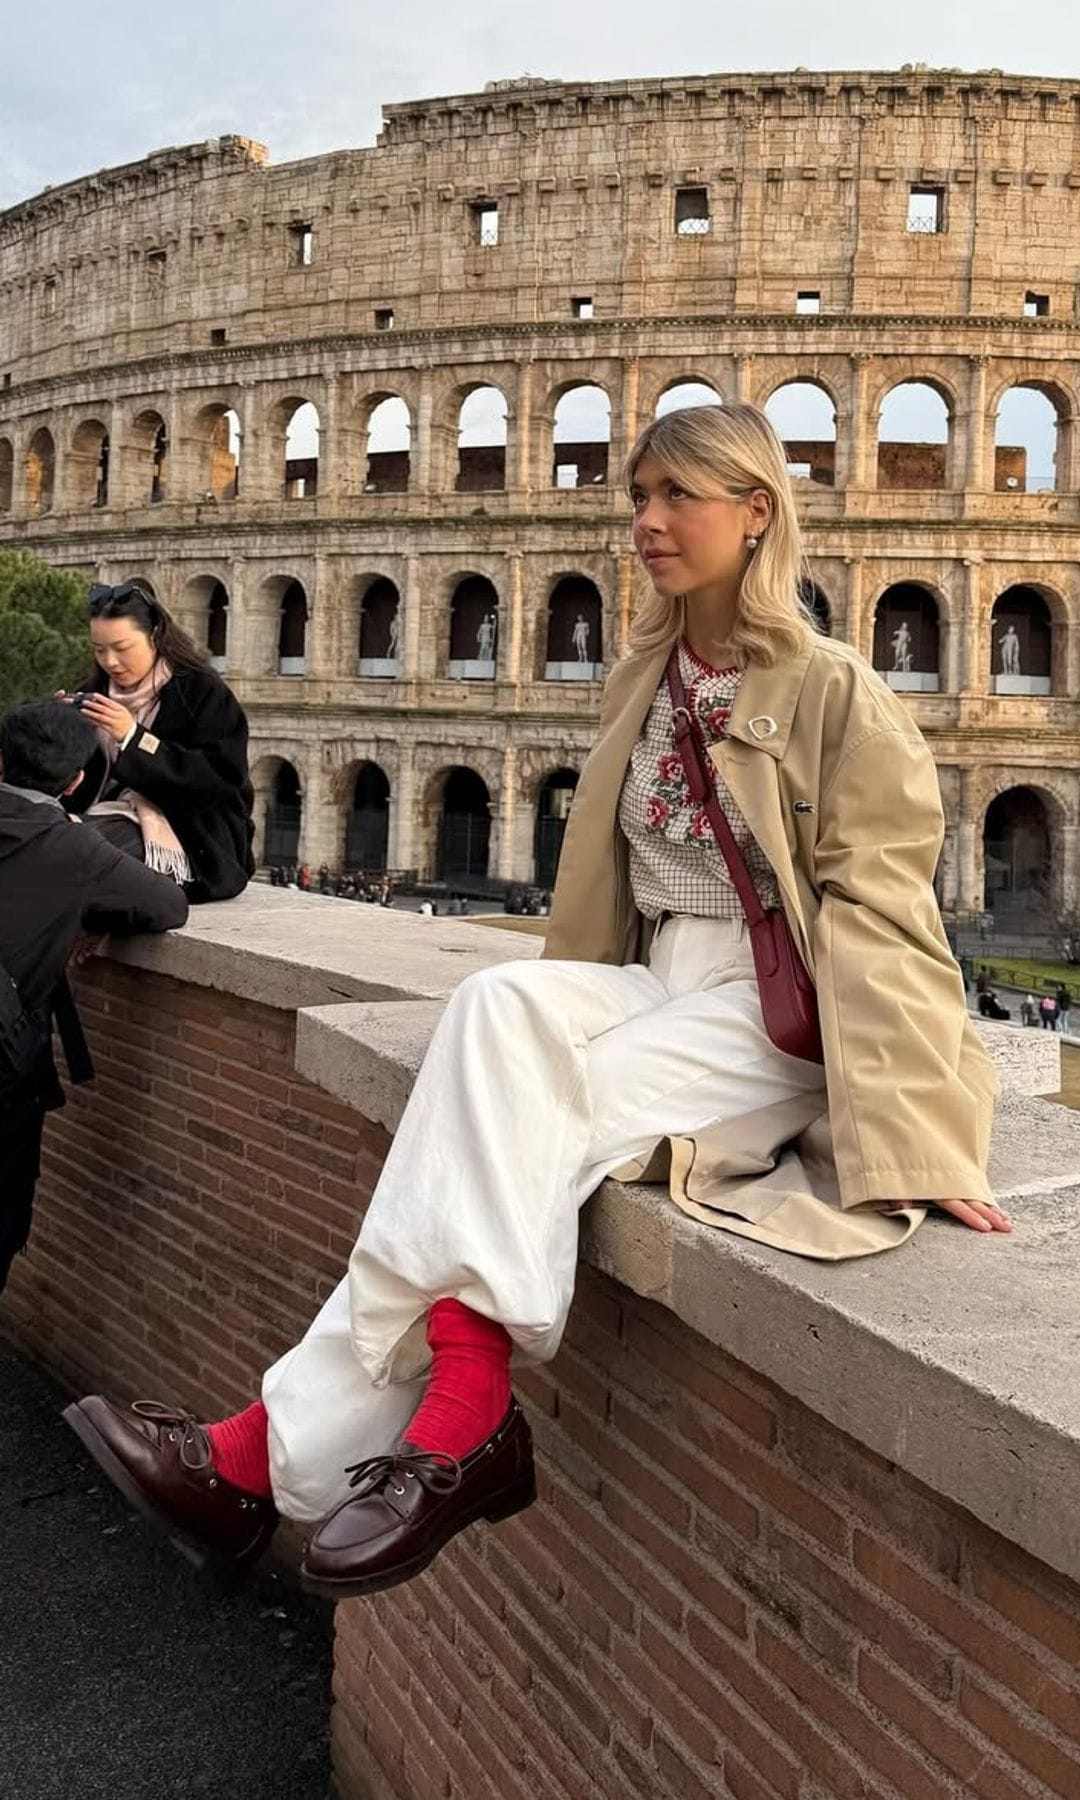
717	720
670	767
657	813
701	827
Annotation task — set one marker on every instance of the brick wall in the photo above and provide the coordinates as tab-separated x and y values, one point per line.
717	1594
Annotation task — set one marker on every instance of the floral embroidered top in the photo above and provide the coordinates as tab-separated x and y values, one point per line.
675	862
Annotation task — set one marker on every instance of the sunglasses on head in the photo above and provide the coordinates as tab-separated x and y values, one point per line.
101	596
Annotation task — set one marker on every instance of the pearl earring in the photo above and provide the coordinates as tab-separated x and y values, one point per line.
752	543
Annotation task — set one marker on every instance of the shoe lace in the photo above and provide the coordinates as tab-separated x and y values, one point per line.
435	1471
194	1443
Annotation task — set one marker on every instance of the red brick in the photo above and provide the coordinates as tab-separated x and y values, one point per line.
994	1650
631	1712
707	1588
626	1467
830	1706
701	1372
1030	1611
706	1484
706	1684
681	1778
830	1584
935	1733
665	1698
639	1573
1033	1750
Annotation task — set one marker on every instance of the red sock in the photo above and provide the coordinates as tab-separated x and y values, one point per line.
241	1449
468	1392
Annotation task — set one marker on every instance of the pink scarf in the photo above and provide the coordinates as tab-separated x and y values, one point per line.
162	847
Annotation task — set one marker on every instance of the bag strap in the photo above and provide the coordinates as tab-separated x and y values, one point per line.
72	1037
701	782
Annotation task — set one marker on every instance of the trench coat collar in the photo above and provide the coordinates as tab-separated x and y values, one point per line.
764	708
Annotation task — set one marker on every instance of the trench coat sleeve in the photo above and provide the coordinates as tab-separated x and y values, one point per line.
910	1094
208	766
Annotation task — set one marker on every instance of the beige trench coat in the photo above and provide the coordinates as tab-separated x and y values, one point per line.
910	1087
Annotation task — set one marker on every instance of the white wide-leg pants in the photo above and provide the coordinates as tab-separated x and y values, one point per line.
541	1078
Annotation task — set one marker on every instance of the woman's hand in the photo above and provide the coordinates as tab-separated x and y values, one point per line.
978	1215
109	715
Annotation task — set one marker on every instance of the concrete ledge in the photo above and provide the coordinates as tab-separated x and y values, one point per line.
291	950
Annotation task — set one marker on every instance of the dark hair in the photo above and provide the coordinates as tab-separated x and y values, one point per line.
44	744
133	601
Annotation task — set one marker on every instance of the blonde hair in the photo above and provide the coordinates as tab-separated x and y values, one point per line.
732	450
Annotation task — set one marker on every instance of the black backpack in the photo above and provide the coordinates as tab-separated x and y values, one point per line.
26	1038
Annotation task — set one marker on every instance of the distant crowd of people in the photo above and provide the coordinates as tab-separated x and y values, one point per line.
1051	1011
376	890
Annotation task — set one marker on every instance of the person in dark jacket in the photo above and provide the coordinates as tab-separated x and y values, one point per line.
170	781
57	879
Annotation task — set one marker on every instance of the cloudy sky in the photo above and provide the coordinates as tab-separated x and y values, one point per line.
86	86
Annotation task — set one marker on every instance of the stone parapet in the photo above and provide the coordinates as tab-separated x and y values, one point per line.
803	1529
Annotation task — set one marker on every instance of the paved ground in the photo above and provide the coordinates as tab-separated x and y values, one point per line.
123	1675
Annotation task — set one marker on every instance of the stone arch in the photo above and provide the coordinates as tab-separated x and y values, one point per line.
916	415
87	473
684	391
217	449
278	809
7	474
284	603
147	459
573	650
367	818
474	628
581	434
291	431
907	638
388	429
1026	621
1021	836
40	473
206	611
554	798
803	412
460	801
1032	421
378	638
482	430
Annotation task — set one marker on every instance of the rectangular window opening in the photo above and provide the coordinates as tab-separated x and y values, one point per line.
926	210
7	378
807	301
486	223
1036	306
384	318
155	264
582	307
49	296
692	211
303	245
218	335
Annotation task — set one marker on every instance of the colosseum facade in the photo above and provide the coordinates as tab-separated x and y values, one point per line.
359	419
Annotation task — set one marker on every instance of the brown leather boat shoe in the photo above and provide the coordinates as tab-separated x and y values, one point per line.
412	1502
160	1460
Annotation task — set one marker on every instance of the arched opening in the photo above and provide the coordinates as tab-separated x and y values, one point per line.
817	604
1016	856
219	450
88	477
907	639
283	816
217	624
682	394
389	447
481	465
40	473
7	474
292	630
146	457
582	437
552	812
913	437
368	823
1022	643
474	630
574	650
804	416
380	622
464	828
301	421
1026	438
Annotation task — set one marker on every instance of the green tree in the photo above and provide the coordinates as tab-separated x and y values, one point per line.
43	627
